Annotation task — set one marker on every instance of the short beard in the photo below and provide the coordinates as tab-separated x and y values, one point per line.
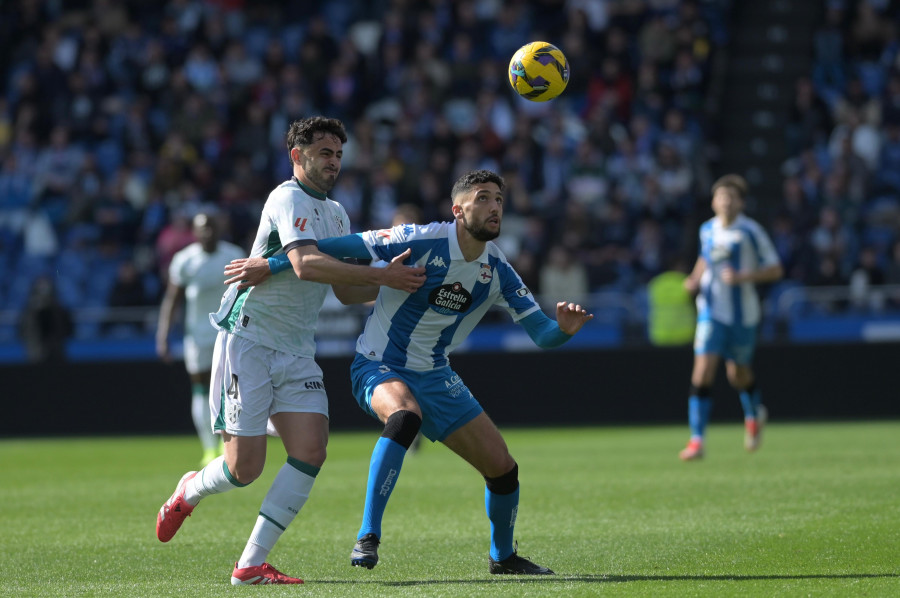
321	181
480	234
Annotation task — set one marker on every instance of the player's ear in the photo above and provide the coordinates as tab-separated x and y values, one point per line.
295	155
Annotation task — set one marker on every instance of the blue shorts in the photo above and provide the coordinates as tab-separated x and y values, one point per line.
445	400
732	341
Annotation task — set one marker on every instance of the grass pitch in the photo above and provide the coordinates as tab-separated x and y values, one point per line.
816	512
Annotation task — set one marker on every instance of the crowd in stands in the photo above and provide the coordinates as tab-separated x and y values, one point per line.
840	218
120	119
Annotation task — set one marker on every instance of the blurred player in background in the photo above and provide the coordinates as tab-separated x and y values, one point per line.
736	254
195	281
401	374
265	378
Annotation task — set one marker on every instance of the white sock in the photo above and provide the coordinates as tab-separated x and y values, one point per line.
200	415
285	498
212	479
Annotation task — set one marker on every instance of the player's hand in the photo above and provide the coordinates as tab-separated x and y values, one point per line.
570	317
691	285
399	276
730	276
248	271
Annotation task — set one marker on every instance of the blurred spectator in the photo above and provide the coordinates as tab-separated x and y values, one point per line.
866	275
809	119
45	324
127	117
562	276
128	289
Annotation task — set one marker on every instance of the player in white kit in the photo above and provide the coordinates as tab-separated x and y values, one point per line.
265	378
736	254
195	281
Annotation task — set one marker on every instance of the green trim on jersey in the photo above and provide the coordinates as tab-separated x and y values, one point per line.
273	246
220	419
309	191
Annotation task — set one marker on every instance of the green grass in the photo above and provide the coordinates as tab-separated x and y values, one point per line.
816	512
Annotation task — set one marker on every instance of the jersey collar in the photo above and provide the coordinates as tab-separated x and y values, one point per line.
308	190
455	251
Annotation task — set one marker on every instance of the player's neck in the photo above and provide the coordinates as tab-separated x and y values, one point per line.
470	247
303	181
726	222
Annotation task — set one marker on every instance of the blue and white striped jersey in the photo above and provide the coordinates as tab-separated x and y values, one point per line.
744	246
419	330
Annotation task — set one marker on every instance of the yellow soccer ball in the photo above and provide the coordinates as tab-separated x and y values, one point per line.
539	71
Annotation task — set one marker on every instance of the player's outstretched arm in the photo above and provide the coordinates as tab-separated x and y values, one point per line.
571	317
311	264
547	333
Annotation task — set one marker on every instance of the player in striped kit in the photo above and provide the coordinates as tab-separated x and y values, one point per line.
401	374
736	254
265	378
195	280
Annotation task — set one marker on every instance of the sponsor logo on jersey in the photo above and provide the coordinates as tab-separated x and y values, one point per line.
301	223
384	233
450	299
437	262
314	385
486	274
382	368
522	292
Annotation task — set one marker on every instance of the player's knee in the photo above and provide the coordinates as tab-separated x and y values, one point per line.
701	392
244	472
740	380
402	427
505	484
315	457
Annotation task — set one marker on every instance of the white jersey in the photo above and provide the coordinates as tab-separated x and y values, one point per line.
743	246
282	312
419	330
201	276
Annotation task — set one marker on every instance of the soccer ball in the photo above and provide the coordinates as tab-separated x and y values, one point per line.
538	71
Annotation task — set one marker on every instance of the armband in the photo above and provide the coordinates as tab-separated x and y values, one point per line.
279	263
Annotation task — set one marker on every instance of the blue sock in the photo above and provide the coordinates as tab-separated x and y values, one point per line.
750	400
501	510
699	409
384	468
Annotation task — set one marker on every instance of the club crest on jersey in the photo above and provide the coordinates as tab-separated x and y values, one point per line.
450	299
486	273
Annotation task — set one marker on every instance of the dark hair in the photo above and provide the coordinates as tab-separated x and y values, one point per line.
305	131
475	177
734	182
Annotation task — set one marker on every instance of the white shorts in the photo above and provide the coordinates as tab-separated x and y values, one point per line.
197	357
251	382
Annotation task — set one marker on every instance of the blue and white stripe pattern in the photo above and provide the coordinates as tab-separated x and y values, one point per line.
419	330
743	246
